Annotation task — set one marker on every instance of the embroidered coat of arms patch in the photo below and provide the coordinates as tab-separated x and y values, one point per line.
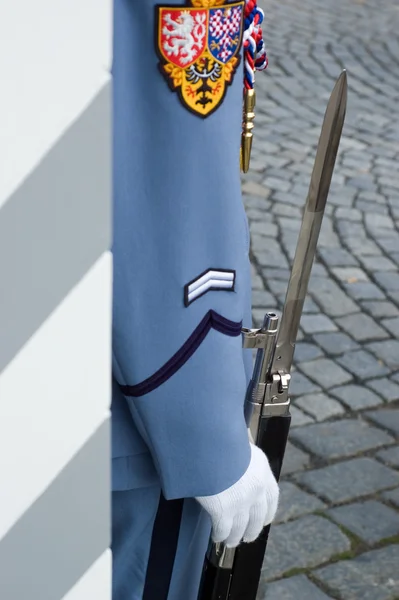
199	46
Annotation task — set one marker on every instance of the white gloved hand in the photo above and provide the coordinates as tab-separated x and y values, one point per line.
241	511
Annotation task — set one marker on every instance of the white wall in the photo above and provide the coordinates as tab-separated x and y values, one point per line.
55	299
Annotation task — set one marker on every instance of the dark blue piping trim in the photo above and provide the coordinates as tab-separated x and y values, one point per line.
212	320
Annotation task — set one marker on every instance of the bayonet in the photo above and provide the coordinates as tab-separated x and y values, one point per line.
310	229
233	574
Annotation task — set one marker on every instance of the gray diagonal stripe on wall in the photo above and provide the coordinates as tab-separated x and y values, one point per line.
55	226
64	531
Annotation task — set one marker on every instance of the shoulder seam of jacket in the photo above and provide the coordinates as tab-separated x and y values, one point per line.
212	320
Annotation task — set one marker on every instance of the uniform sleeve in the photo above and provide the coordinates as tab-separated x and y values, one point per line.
180	265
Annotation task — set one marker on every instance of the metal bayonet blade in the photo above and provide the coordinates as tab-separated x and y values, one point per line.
311	223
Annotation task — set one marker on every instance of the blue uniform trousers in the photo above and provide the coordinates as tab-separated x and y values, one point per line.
158	545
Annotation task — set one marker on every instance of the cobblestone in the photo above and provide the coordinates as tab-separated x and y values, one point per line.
350	274
392	325
392	496
389	281
347	355
371	521
286	210
378	263
261	228
295	460
394	296
262	298
374	221
362	364
361	246
335	343
390	457
320	406
331	298
268	251
299	418
317	324
390	245
337	257
356	397
250	188
349	214
293	588
388	389
256	281
305	351
276	273
343	438
361	327
381	309
371	576
364	291
302	385
318	270
277	286
341	482
306	542
387	351
325	372
295	503
389	419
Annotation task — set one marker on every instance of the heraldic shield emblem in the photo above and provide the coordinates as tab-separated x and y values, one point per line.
199	50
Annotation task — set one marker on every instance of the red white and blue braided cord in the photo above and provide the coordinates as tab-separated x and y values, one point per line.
255	58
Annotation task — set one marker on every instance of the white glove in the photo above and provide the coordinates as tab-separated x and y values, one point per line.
241	511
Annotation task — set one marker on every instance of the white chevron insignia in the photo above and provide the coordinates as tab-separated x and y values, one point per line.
212	279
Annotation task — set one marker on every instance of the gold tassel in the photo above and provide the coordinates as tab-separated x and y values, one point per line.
247	127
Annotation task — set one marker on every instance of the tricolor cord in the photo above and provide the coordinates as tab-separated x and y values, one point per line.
255	58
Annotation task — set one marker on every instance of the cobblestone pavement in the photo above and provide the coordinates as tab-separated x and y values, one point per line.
337	533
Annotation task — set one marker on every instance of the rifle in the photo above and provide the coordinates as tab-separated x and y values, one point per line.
234	573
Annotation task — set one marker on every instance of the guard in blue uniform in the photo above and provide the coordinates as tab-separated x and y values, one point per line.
182	461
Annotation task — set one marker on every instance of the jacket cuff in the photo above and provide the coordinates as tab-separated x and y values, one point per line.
194	422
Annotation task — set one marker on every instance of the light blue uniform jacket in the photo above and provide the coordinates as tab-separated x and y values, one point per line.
179	369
